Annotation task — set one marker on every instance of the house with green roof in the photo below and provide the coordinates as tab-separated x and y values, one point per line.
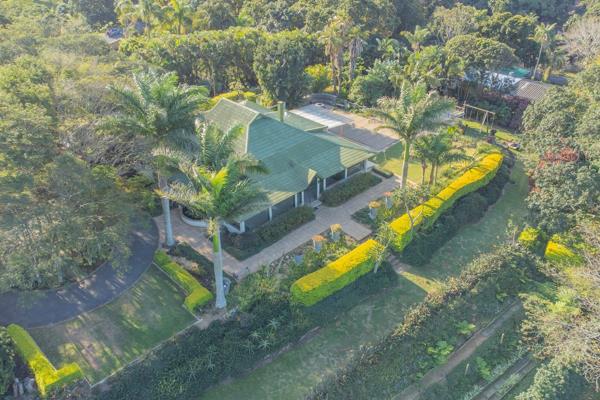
302	158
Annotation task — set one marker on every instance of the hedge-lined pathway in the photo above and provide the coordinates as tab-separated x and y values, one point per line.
324	218
45	307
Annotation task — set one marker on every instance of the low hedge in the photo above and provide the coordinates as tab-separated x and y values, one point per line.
426	213
198	295
247	244
47	377
348	189
314	287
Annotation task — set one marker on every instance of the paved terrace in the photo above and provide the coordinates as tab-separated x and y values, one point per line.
325	217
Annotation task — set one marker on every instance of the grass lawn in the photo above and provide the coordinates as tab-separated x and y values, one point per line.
501	134
110	337
391	160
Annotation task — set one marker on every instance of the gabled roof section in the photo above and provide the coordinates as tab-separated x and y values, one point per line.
293	156
290	117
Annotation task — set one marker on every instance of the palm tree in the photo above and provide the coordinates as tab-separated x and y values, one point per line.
440	151
544	35
177	13
417	38
415	112
144	11
221	196
162	111
333	38
421	151
355	49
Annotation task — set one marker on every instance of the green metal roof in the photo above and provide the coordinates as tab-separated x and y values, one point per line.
292	156
289	118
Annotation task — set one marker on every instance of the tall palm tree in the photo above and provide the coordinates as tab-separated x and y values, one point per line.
178	15
420	152
333	38
544	35
220	195
144	11
355	49
162	111
415	112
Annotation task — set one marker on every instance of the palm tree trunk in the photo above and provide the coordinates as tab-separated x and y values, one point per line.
432	174
537	64
218	267
423	168
164	201
405	162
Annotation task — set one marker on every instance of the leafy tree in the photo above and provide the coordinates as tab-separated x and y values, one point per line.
146	12
480	55
96	12
178	16
416	38
273	15
414	113
221	196
279	64
515	31
215	14
460	20
367	89
159	109
320	77
583	38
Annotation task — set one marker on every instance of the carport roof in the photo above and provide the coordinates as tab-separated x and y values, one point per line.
322	115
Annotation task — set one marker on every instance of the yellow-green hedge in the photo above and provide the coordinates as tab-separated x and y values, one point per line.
198	295
47	377
314	287
426	213
558	253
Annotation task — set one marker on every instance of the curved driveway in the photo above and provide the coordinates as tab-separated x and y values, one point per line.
35	308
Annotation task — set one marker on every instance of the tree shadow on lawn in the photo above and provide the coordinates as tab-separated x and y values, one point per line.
108	338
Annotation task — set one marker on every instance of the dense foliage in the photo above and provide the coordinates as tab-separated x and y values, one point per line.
7	361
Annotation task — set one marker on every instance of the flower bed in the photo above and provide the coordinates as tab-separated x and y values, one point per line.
427	213
198	295
47	377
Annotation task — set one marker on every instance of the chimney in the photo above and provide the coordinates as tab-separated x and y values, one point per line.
281	110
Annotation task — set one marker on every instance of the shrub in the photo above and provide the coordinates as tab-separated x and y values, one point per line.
319	76
470	209
558	253
47	377
532	239
314	287
427	213
7	361
348	189
198	295
249	243
287	222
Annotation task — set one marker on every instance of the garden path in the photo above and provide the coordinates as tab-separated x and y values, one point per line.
37	308
465	351
324	218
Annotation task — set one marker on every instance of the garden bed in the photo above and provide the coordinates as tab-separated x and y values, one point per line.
349	188
242	246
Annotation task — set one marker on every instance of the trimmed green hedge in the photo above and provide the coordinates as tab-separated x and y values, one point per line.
198	295
427	213
348	189
314	287
47	377
558	253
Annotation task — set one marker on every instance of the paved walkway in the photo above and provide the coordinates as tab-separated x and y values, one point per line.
325	217
36	308
438	374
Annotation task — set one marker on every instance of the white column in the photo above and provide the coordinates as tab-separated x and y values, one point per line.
243	226
296	200
302	197
345	173
318	189
325	184
364	166
270	213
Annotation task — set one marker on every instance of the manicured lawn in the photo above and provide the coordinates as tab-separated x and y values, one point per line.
106	339
501	134
391	160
